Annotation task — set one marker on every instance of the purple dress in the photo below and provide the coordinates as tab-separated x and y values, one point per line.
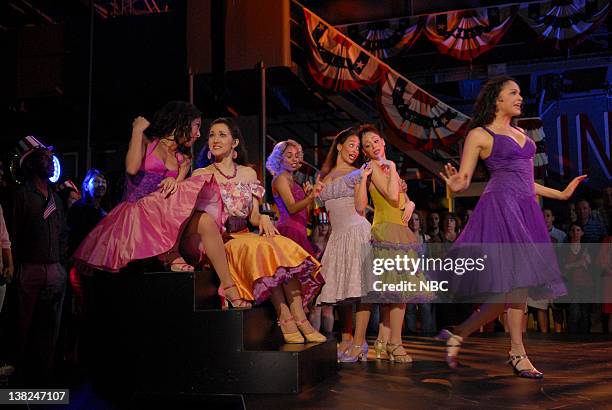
293	226
507	230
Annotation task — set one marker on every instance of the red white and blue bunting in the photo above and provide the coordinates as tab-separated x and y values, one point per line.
386	38
567	23
467	34
422	119
338	64
335	62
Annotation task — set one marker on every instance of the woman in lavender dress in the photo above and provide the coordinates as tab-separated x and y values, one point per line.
507	213
348	248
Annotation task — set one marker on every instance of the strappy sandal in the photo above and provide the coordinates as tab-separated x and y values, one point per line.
532	373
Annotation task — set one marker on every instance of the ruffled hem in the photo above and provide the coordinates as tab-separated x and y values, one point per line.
306	273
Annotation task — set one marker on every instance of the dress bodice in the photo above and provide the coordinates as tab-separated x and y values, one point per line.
236	199
510	166
383	210
339	198
286	218
152	172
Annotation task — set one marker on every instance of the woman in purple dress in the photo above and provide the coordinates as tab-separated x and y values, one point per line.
506	218
292	201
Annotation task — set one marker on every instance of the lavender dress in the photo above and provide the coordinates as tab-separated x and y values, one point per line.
508	227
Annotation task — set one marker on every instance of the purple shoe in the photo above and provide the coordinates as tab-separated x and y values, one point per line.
362	356
453	344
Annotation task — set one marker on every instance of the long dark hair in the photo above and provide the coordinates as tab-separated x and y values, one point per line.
174	118
332	154
234	129
485	105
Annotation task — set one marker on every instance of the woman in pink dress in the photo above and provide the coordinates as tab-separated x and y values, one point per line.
158	201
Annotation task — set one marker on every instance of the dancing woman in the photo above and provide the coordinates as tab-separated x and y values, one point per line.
391	238
349	243
507	213
264	265
285	159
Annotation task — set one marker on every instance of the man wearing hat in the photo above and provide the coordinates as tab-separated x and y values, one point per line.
38	234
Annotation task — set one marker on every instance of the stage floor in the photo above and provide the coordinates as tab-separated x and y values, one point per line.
577	375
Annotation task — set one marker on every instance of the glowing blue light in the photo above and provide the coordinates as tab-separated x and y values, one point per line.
57	170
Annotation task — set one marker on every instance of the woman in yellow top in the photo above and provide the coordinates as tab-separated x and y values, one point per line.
391	238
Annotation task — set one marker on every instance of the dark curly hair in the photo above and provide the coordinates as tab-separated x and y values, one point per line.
332	155
485	105
174	118
234	129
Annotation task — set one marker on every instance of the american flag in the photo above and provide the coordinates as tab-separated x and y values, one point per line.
50	207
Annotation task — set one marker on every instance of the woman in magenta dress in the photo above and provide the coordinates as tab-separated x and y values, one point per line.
158	202
507	213
285	159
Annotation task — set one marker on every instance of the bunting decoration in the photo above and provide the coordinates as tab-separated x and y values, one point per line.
336	62
386	38
418	118
467	34
565	23
423	120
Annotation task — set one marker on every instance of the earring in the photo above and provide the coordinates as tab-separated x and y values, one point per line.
209	155
234	154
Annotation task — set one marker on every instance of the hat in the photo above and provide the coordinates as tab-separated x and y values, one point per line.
68	184
323	218
27	145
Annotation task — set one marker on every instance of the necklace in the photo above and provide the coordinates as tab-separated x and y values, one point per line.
227	176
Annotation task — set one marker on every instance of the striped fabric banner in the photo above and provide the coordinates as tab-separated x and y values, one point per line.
50	206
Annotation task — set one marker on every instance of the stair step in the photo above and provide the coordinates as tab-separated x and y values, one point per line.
152	332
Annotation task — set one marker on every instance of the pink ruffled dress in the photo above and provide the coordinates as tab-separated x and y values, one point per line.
145	224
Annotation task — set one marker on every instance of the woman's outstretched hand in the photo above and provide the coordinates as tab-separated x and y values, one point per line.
571	187
452	178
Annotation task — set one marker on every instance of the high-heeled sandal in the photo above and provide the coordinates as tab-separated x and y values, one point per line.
312	337
340	351
380	346
361	356
236	303
401	357
532	373
453	344
294	337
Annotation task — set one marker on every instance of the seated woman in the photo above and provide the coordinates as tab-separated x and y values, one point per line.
156	168
262	266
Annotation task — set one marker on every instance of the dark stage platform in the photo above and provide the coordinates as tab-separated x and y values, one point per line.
578	375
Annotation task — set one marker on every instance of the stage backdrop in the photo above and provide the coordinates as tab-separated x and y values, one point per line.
578	138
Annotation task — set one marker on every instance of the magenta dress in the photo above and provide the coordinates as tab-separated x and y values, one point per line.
145	224
508	227
293	226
